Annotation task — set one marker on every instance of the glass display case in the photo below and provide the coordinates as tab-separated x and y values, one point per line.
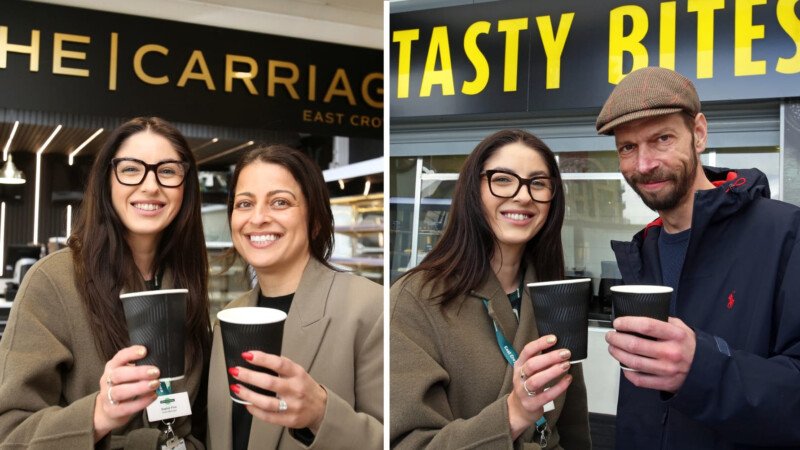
420	210
225	284
358	235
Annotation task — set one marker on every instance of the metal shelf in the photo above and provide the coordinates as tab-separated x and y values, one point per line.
359	228
361	262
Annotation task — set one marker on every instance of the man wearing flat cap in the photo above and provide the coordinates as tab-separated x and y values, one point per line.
724	371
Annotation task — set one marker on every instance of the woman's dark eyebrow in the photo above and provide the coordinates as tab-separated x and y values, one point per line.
278	191
537	173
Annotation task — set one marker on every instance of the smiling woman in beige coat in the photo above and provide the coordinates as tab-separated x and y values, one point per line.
451	385
330	384
67	379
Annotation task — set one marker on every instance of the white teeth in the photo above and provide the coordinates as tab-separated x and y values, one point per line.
147	206
516	216
263	237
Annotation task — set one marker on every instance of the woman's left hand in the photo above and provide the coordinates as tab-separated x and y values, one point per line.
305	398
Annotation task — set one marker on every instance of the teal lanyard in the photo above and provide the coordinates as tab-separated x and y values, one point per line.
508	350
165	388
511	355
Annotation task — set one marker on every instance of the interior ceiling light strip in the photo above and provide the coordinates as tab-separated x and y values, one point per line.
226	152
10	138
85	143
37	188
213	141
69	220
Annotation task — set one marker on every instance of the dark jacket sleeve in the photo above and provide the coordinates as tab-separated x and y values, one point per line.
735	392
421	416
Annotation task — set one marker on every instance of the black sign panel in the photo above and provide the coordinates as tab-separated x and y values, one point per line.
55	58
570	54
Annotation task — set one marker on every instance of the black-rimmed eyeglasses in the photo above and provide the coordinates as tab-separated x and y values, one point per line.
506	184
132	172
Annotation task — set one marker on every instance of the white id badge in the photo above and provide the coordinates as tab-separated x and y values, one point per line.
549	406
169	406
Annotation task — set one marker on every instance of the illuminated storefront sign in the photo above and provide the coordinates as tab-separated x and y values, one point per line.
528	56
55	58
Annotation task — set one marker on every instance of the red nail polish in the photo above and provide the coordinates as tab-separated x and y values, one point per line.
247	356
234	371
235	388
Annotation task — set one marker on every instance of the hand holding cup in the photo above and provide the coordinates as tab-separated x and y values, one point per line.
645	301
299	401
534	371
660	363
246	329
125	390
654	350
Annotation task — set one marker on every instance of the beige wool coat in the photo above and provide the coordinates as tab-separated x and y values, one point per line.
334	330
50	371
449	380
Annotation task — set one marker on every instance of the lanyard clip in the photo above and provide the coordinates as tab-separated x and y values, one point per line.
169	433
541	428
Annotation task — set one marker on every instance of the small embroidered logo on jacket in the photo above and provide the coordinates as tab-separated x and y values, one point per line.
731	300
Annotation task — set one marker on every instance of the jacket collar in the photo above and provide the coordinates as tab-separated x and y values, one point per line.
735	190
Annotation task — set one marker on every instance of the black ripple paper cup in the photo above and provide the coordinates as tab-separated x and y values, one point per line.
642	301
561	308
157	320
250	328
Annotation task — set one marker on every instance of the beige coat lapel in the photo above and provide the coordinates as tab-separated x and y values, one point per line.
306	324
302	334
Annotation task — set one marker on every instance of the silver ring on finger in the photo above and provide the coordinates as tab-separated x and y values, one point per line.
110	399
528	391
282	406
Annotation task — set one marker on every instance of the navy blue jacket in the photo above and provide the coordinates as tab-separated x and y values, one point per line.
739	290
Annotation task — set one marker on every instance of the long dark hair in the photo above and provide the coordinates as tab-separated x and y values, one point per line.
104	262
309	176
461	259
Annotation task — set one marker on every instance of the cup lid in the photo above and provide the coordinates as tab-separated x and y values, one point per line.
553	283
641	289
153	292
251	315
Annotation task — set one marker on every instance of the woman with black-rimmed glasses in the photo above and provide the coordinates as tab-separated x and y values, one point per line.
467	369
67	373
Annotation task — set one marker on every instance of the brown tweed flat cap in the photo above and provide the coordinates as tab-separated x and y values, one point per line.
647	92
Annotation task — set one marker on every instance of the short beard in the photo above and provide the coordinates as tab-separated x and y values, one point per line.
666	199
